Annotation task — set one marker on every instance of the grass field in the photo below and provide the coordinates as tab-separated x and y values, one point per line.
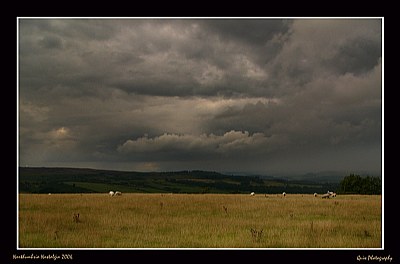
199	221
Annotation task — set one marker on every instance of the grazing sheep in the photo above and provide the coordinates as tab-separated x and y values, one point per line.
326	195
252	194
331	194
117	193
315	194
111	193
284	194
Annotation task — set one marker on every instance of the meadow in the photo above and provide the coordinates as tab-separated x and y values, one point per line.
198	221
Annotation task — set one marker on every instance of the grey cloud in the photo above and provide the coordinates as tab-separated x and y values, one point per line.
333	111
51	42
356	56
259	40
157	57
83	29
252	118
317	49
182	147
250	31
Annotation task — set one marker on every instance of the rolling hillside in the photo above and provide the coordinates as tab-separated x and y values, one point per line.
74	180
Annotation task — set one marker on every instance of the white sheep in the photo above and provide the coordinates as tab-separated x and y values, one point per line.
111	193
117	193
315	194
252	194
331	194
326	195
284	194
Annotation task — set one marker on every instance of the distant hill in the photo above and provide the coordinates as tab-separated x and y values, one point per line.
322	177
77	180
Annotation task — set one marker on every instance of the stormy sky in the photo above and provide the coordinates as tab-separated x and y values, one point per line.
231	95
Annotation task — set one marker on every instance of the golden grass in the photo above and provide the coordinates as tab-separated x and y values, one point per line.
198	221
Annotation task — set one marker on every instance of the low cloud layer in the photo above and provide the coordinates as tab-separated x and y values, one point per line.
193	146
246	95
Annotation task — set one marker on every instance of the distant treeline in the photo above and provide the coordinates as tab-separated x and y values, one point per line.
355	184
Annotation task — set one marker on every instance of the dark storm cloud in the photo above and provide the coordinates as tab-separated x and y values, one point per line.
156	57
158	94
83	29
356	56
255	32
51	42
